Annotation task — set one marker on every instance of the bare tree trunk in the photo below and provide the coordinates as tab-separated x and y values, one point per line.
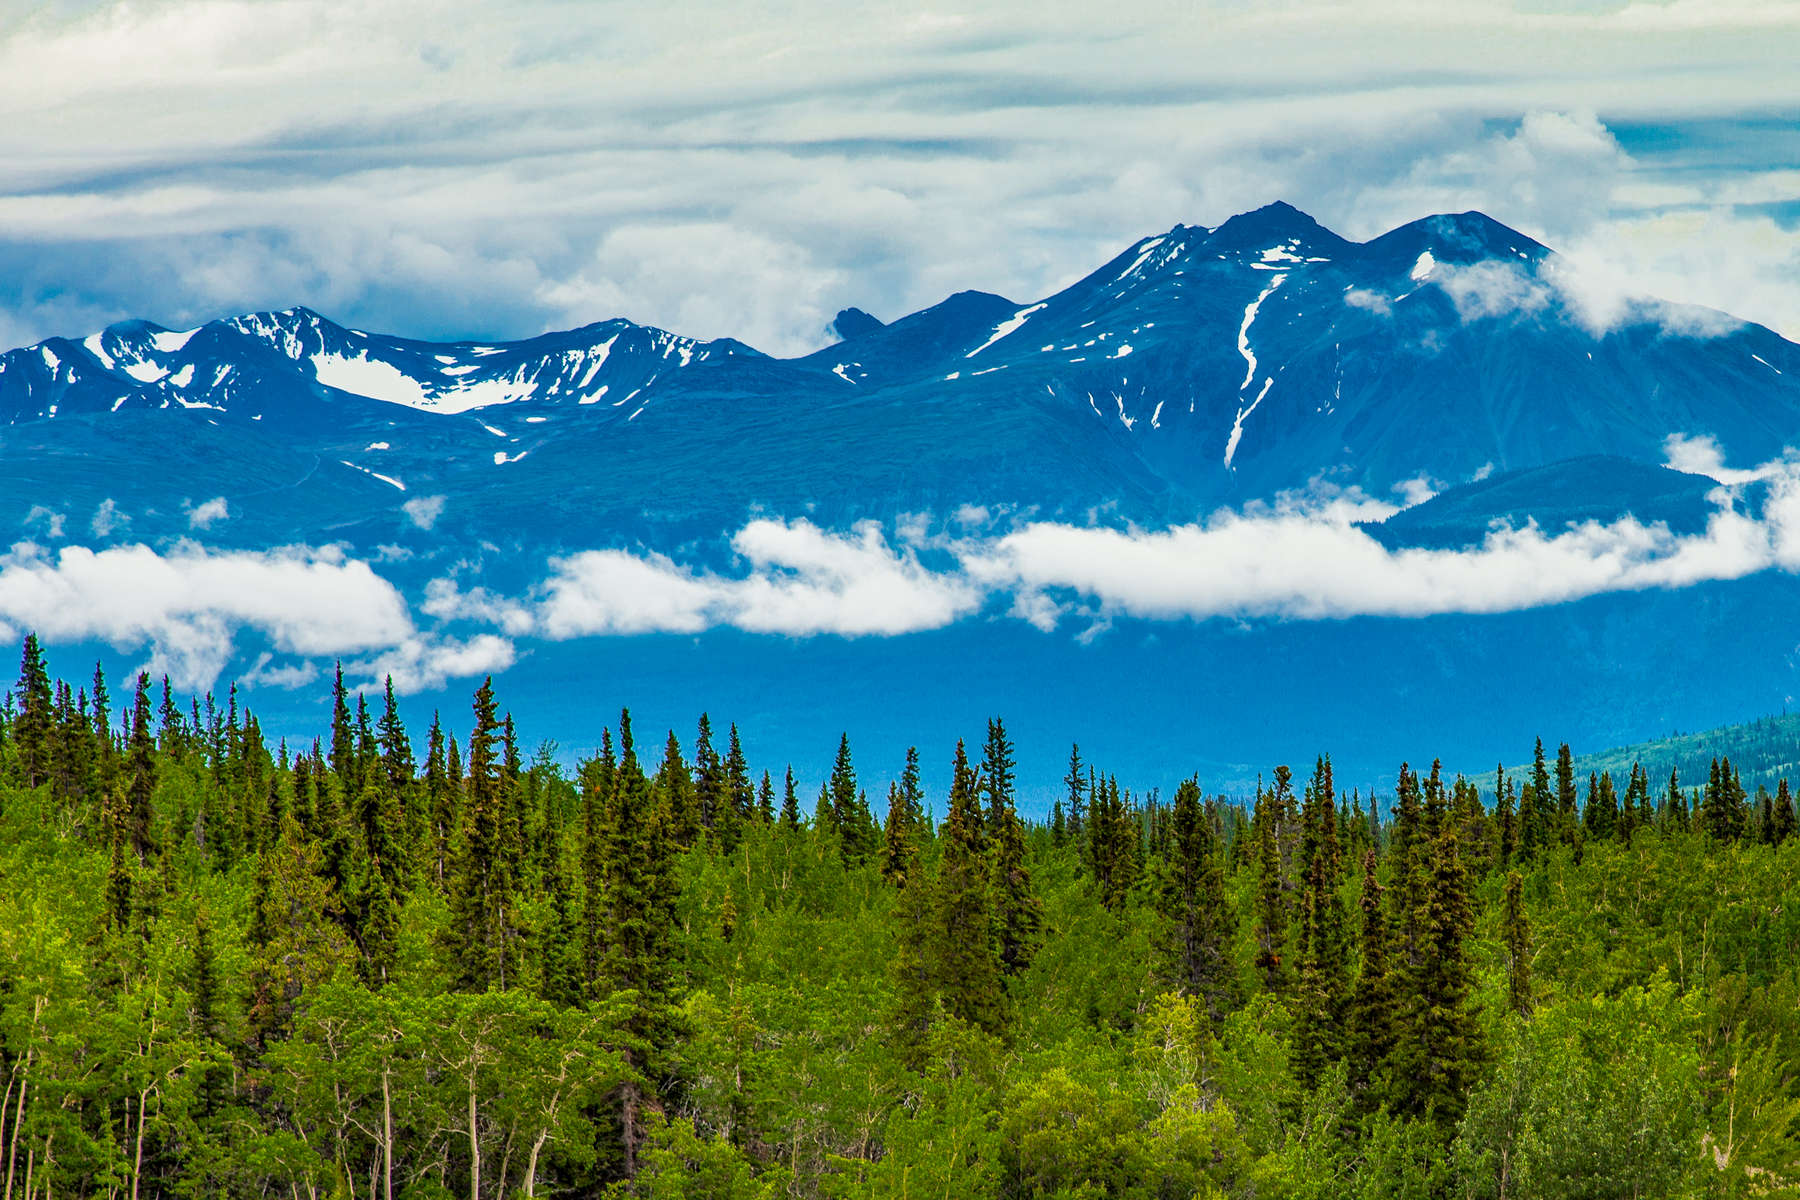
387	1137
137	1160
531	1164
628	1128
474	1147
12	1148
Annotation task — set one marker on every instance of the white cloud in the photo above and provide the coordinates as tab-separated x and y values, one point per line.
802	581
446	601
107	519
45	520
204	516
188	605
423	511
426	663
478	169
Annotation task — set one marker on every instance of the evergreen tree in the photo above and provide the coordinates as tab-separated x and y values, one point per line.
483	935
343	734
997	776
1196	927
598	778
677	791
1324	980
968	969
710	801
140	772
1675	811
1565	795
1077	797
1534	817
1374	1019
899	845
1600	818
790	802
1781	824
637	934
441	789
1442	1049
848	815
1018	916
1516	934
740	796
31	722
1506	818
765	801
1271	905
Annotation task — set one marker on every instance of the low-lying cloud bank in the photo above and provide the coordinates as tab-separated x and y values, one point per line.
1304	557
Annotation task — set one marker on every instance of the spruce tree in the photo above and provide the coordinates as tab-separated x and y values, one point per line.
677	791
483	933
997	776
1565	795
899	845
1442	1050
637	934
1018	916
598	777
1516	934
439	802
710	797
1196	926
343	733
1675	812
790	802
1077	784
1374	1019
848	815
1324	978
1781	826
1271	905
31	723
1506	819
740	796
968	969
765	801
140	772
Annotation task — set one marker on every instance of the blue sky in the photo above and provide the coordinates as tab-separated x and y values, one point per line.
493	170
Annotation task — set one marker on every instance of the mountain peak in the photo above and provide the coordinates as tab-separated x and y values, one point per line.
1460	238
854	323
1273	224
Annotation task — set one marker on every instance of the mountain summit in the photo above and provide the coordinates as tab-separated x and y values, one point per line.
1200	366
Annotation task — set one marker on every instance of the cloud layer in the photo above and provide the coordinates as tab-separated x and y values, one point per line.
468	169
194	611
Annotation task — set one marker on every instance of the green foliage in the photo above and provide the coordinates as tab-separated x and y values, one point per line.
227	971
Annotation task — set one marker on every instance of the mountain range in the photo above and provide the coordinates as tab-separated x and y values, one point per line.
1452	377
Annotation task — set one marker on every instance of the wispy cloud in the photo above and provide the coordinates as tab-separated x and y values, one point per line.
478	169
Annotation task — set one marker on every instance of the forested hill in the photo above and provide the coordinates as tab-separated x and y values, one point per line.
368	967
1763	752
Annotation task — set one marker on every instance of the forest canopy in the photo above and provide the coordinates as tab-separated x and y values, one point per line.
370	965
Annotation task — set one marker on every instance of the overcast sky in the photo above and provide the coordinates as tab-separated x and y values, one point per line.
489	170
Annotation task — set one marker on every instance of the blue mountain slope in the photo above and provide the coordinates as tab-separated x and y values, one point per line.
1199	368
1594	488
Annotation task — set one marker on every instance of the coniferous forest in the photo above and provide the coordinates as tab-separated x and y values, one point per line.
391	963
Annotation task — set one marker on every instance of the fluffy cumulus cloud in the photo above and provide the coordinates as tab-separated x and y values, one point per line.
187	605
470	169
800	581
